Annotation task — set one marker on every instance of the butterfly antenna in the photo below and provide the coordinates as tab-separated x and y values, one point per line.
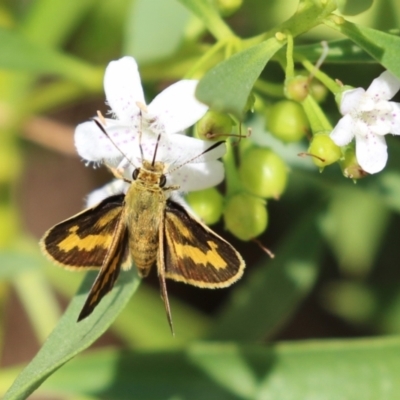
101	127
140	134
214	146
155	150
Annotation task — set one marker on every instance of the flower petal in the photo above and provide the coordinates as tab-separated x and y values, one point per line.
380	123
384	87
123	88
395	120
176	149
176	108
93	144
371	152
191	177
351	99
343	132
116	186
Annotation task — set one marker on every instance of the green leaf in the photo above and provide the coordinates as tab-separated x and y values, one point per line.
274	289
355	225
329	370
339	51
69	337
227	86
207	12
143	323
165	20
353	7
380	45
20	54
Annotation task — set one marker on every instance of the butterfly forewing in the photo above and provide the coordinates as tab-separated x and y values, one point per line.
194	254
84	240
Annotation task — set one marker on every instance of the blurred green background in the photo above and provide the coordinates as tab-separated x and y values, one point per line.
335	274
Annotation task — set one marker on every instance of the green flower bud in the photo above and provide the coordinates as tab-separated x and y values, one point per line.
207	204
324	150
245	216
228	7
297	88
213	125
318	91
287	121
263	173
349	165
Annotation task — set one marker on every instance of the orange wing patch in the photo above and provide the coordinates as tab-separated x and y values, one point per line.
194	254
84	240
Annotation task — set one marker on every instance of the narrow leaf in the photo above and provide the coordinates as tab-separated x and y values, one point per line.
69	337
354	7
329	370
274	290
380	45
339	51
227	86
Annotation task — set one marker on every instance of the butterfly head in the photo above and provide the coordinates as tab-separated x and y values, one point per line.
150	173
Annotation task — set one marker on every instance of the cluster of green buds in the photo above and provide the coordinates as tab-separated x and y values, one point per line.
253	175
257	173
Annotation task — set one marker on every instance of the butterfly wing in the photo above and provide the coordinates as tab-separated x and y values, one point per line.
83	240
109	272
194	254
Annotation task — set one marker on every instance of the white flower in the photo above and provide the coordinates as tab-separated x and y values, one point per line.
117	186
368	116
139	132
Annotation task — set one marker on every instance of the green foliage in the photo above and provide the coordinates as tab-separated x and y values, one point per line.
335	273
70	338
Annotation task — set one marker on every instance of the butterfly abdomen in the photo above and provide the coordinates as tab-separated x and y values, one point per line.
143	215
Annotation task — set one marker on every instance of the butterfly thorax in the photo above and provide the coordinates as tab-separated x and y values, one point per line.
143	213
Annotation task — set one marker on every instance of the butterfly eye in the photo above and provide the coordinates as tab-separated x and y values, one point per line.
163	180
135	174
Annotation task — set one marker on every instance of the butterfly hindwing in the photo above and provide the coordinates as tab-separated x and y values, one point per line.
194	254
84	240
109	272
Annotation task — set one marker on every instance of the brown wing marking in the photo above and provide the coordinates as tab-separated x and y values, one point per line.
196	255
83	240
109	272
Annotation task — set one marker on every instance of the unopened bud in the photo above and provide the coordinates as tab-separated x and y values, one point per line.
297	88
287	121
263	173
324	151
228	7
207	204
245	216
350	166
213	125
